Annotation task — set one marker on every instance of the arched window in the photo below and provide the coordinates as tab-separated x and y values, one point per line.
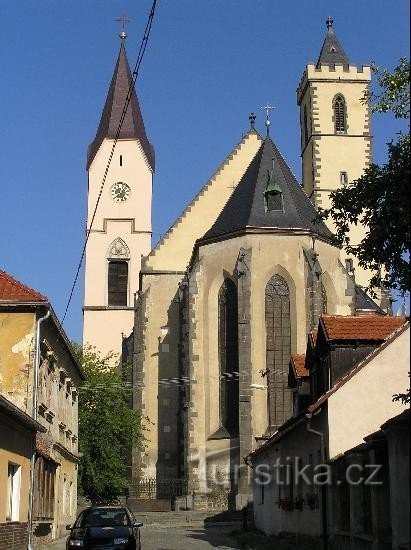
228	356
278	349
118	255
339	115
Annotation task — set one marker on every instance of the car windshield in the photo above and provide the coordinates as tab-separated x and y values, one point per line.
99	517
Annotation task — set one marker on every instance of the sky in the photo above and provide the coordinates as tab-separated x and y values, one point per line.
208	64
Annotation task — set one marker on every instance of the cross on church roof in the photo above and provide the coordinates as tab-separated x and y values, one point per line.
123	20
267	108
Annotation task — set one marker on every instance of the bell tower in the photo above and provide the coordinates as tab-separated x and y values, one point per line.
121	230
335	128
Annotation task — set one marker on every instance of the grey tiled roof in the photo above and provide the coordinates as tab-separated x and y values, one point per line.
365	302
332	52
133	125
246	206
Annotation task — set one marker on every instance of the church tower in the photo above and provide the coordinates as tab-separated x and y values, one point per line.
335	128
121	230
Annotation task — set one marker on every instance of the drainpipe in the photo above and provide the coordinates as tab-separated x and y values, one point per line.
34	415
323	487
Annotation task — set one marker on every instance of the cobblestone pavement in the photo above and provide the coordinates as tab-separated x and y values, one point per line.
170	538
160	538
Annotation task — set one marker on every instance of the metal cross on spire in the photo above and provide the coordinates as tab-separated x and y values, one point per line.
123	20
267	108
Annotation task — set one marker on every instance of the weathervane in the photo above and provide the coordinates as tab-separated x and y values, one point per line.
267	108
123	20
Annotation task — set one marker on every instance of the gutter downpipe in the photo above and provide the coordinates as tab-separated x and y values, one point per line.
323	487
34	415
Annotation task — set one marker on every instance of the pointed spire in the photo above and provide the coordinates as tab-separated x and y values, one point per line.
133	125
332	52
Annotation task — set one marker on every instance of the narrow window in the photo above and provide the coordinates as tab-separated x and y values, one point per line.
349	265
343	178
121	160
228	356
339	115
13	492
278	350
117	283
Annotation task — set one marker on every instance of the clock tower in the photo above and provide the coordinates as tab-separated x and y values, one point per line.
121	231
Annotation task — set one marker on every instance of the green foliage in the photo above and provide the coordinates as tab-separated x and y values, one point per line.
380	199
108	428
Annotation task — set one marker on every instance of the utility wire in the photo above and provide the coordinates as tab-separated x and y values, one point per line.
140	56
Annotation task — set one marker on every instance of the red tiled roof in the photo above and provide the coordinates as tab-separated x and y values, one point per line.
298	361
368	327
12	290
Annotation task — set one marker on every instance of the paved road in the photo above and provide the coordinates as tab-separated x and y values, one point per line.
160	538
163	538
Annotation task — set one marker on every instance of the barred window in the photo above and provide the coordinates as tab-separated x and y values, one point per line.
278	349
117	283
339	114
228	356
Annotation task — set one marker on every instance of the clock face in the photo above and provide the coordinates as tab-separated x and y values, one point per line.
120	191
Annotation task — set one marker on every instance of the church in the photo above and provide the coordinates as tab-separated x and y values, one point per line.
211	315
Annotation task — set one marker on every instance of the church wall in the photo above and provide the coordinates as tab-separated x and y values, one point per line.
271	254
158	361
174	249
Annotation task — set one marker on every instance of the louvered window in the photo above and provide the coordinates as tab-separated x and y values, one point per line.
274	201
117	283
228	355
278	349
305	125
339	115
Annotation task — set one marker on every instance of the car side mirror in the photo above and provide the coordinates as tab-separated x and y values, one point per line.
137	524
69	527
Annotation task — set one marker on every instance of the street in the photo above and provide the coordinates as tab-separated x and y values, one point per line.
166	538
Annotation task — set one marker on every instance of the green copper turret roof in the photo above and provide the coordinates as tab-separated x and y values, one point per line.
332	52
133	125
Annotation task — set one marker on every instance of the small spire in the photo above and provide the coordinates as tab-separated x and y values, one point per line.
267	108
123	20
251	118
329	22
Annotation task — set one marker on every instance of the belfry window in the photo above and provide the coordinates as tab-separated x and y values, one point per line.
117	283
305	125
278	349
228	356
339	115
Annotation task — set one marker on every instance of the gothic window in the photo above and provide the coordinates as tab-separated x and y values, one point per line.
228	355
323	299
117	283
339	115
278	349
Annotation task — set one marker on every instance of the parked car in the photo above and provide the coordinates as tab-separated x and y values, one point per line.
105	528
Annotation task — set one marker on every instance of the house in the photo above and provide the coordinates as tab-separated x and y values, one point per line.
39	380
339	468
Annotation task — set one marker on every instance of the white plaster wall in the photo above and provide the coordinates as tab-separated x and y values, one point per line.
364	403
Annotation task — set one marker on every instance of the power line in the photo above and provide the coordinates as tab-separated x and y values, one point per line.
140	56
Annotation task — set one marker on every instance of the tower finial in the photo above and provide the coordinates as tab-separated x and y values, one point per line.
123	20
251	118
267	108
329	22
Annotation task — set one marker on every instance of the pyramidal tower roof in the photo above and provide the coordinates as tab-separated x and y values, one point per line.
133	125
332	52
247	207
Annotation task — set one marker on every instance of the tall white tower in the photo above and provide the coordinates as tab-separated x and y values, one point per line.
335	129
121	231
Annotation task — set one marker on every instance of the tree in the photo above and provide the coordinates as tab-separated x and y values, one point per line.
380	199
108	428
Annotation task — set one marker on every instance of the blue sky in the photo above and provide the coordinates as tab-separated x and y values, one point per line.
209	63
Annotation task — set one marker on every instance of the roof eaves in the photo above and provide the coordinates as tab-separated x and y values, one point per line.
345	378
17	414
